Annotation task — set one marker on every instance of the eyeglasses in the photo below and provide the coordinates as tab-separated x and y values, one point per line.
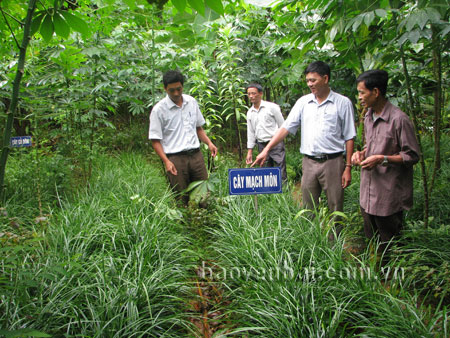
173	90
253	93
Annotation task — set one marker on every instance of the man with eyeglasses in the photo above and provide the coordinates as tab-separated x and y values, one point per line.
327	133
176	131
263	120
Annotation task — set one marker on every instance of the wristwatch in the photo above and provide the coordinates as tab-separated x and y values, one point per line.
385	161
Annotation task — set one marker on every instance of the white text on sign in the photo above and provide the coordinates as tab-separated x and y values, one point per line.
262	181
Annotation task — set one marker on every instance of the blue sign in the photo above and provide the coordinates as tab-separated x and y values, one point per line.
251	181
20	141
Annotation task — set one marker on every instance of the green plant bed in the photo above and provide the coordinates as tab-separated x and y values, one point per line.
110	263
287	280
425	256
34	183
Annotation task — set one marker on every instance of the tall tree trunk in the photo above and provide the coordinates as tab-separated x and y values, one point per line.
15	93
414	110
437	73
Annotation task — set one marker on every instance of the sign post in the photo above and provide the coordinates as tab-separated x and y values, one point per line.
20	141
254	181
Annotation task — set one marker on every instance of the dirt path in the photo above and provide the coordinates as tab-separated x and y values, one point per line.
206	304
207	308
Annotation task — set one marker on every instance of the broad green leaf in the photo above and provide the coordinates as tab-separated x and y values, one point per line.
414	36
130	3
403	38
422	19
357	22
198	5
384	3
47	28
180	5
445	31
433	15
76	23
340	214
199	21
91	51
215	5
36	23
193	185
380	13
61	27
185	33
419	18
333	33
368	18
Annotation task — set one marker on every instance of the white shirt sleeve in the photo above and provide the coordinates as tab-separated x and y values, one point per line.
155	129
293	121
348	122
251	133
278	116
200	119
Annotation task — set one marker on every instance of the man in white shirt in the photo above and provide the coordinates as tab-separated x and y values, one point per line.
327	133
263	120
176	131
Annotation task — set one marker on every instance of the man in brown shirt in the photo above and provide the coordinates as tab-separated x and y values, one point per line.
387	159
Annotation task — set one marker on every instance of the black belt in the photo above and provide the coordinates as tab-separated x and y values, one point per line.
185	152
263	143
324	157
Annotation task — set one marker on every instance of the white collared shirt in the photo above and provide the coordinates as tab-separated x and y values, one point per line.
325	127
174	126
263	123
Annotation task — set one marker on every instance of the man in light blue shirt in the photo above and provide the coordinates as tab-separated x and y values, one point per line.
327	133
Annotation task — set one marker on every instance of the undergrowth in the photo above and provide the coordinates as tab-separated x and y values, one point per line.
287	280
110	263
118	257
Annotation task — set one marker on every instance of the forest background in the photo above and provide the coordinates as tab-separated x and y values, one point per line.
81	77
91	63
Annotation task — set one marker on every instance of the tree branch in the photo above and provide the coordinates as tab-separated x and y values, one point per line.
9	26
11	16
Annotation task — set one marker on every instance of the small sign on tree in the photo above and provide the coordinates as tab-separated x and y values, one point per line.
20	141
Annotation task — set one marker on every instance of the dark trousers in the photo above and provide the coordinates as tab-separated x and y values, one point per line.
276	158
386	227
190	168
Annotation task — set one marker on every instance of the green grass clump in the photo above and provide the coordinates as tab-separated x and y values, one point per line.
32	184
287	280
425	256
111	263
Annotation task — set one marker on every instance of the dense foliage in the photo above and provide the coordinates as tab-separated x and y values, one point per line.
118	258
110	262
89	60
83	234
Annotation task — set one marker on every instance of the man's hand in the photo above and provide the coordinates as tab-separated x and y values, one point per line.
372	162
212	149
249	158
346	177
260	159
170	168
358	157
